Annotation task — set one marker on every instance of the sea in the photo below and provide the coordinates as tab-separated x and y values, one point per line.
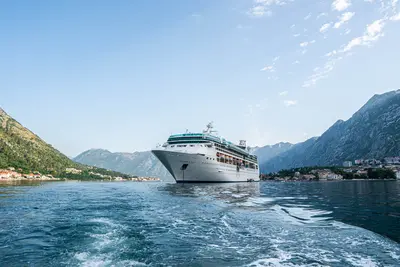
344	223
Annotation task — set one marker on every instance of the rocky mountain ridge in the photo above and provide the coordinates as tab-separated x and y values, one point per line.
372	132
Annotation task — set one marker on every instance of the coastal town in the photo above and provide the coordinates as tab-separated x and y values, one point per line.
12	174
387	168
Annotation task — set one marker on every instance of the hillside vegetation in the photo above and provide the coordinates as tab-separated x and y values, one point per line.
22	149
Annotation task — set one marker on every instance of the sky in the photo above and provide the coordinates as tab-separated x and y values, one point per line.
124	75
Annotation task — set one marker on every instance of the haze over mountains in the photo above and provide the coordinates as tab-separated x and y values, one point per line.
372	132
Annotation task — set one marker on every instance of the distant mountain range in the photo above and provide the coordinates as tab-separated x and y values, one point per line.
146	164
372	132
137	163
268	152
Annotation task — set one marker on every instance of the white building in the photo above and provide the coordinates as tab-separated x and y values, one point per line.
323	175
334	176
359	161
392	160
398	174
347	164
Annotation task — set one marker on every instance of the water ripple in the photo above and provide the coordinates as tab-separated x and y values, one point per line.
131	224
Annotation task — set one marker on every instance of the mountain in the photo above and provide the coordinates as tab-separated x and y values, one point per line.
372	132
19	146
265	153
137	163
22	149
146	164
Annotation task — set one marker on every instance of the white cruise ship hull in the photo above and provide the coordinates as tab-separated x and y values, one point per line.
200	168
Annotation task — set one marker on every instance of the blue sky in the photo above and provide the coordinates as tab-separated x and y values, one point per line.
123	75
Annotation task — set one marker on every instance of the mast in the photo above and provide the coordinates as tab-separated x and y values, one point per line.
209	129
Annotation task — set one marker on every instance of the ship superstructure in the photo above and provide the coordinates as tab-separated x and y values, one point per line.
206	157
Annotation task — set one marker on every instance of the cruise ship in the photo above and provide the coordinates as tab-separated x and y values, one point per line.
206	157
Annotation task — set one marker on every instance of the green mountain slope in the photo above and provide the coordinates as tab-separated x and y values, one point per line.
22	149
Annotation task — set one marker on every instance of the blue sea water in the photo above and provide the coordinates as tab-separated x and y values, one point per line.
157	224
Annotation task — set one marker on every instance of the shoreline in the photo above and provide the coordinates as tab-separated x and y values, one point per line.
341	180
30	179
69	180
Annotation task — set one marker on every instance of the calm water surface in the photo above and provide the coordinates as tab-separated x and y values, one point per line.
156	224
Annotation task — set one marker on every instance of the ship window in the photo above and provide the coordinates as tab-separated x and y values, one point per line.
192	145
173	146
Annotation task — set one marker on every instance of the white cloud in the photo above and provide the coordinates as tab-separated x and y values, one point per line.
296	62
321	73
262	7
303	44
373	32
322	15
307	17
325	27
268	68
276	59
289	103
341	5
259	11
332	53
284	93
343	19
296	35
